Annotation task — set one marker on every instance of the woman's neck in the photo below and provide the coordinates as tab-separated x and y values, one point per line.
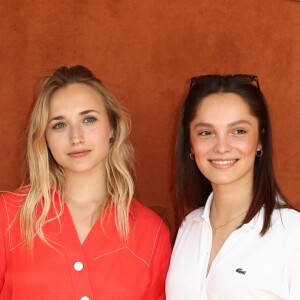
230	200
85	188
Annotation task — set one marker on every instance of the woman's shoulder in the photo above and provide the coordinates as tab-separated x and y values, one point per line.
17	193
149	231
287	222
146	217
14	199
147	222
192	221
10	204
285	229
194	215
144	214
288	217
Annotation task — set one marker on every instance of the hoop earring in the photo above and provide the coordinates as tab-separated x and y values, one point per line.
192	156
259	153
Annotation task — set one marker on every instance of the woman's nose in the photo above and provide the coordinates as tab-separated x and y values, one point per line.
76	135
222	144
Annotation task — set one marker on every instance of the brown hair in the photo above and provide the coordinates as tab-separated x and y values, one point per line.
192	187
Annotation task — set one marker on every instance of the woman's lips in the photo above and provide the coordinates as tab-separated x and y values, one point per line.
80	153
223	163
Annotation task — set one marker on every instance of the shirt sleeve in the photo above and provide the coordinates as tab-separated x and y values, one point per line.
294	278
2	260
159	264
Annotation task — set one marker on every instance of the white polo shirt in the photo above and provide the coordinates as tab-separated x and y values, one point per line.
248	266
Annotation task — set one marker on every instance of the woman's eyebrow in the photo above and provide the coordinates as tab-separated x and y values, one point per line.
85	112
209	125
57	118
239	122
203	124
82	113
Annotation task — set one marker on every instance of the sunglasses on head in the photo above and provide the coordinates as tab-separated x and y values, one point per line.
242	78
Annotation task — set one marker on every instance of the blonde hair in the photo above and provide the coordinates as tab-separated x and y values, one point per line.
46	176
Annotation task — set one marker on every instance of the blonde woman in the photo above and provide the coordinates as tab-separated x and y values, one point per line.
75	232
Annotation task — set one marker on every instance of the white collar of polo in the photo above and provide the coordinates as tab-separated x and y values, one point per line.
256	222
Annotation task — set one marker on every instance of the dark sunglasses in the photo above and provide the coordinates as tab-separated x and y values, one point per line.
241	78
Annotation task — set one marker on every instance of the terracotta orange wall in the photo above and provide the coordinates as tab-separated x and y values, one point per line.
146	51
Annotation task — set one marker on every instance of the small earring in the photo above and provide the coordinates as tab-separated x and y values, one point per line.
112	139
192	156
259	153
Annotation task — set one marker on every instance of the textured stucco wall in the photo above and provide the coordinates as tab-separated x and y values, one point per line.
146	51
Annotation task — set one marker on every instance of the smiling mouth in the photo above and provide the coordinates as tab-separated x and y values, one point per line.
78	154
223	163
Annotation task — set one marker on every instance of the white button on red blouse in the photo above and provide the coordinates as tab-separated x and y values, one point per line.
78	266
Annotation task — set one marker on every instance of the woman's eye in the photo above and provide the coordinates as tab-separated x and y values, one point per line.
59	126
89	120
204	133
239	131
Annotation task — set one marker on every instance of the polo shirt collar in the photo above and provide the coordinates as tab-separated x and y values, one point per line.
206	211
256	222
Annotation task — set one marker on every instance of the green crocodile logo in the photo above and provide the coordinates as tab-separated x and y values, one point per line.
241	271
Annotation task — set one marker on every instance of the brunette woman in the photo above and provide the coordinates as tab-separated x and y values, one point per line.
242	239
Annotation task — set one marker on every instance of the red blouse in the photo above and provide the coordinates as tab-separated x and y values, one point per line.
100	268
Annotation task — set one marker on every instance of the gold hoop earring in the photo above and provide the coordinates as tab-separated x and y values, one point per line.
259	153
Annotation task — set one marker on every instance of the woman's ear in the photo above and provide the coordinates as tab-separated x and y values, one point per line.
259	151
192	154
111	136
